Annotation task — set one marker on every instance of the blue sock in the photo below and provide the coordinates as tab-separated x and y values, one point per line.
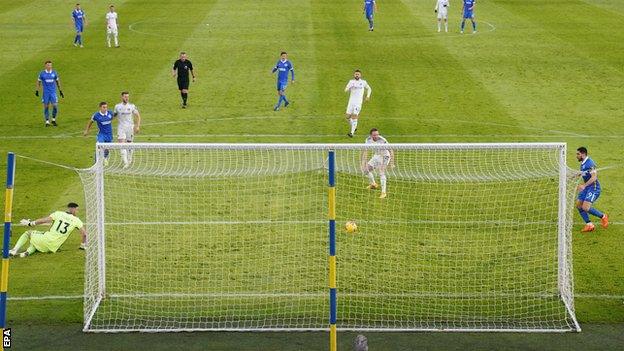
279	101
474	26
584	215
54	111
76	39
79	38
285	100
46	113
463	25
595	212
370	22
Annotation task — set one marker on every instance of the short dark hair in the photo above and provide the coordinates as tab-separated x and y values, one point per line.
48	61
182	52
373	130
103	103
283	53
582	150
357	70
72	205
124	93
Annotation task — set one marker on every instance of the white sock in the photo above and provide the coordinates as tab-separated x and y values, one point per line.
353	125
439	24
383	182
130	155
108	39
124	156
371	177
446	26
116	40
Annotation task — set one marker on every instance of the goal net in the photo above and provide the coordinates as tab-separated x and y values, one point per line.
471	237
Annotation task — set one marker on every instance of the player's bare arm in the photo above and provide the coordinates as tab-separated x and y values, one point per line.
590	181
137	122
86	132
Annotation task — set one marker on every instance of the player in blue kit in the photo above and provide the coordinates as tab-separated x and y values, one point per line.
589	192
468	10
80	21
49	80
104	120
283	66
370	7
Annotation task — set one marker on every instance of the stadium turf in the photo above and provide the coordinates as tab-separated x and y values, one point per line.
536	71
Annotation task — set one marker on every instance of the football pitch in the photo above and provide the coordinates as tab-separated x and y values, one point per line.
536	71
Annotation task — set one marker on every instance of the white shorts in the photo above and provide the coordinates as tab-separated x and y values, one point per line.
443	13
125	132
354	108
378	160
111	30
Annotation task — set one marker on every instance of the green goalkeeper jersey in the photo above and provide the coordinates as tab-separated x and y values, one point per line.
64	223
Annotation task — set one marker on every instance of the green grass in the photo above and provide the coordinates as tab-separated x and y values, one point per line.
548	72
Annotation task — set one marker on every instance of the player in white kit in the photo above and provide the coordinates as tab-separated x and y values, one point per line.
112	30
381	160
441	8
128	126
356	87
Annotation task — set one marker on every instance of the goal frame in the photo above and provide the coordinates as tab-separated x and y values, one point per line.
564	283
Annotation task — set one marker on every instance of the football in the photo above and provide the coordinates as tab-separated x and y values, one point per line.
350	227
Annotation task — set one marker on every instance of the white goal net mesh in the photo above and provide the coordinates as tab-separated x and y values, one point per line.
235	237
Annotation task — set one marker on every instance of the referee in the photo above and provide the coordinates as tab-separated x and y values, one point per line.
181	69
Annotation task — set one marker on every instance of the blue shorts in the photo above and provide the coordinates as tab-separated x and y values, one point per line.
49	98
589	195
369	14
79	28
104	138
468	14
281	86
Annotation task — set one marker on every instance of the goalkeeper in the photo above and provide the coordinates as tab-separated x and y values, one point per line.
63	223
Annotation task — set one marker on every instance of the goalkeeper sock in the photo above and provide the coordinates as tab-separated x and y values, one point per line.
584	215
371	177
46	113
382	178
595	212
21	241
31	249
354	123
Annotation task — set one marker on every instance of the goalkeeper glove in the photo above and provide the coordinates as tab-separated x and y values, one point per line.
27	222
62	95
36	92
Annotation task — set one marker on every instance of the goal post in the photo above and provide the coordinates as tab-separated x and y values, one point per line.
234	237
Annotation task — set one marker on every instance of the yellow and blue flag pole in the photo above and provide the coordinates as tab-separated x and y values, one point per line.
332	251
8	208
